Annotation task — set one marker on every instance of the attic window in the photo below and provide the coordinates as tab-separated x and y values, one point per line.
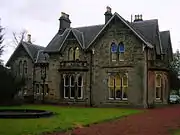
71	54
76	53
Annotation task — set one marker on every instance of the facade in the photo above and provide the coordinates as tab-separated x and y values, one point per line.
116	63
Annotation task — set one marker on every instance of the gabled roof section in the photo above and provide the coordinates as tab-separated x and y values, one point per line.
42	57
128	25
31	50
165	35
149	30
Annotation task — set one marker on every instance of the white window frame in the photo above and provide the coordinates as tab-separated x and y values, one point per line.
158	86
80	86
126	74
70	83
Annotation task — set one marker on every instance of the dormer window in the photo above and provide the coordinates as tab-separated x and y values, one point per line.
71	54
76	53
121	51
114	49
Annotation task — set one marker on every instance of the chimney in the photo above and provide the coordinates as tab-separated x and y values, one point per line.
138	18
108	14
29	38
64	21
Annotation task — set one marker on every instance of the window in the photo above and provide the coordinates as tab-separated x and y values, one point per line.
25	67
114	48
46	89
66	86
118	86
37	89
124	86
79	87
72	87
77	53
20	68
111	87
121	51
71	54
158	83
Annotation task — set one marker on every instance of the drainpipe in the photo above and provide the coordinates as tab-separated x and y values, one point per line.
91	73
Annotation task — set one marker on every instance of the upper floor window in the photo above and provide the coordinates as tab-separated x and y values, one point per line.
76	53
71	54
114	49
25	67
117	51
121	51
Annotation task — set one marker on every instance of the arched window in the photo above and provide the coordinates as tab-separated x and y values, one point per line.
124	86
71	54
114	48
25	67
20	68
80	87
66	86
158	83
121	51
72	86
118	90
111	86
76	53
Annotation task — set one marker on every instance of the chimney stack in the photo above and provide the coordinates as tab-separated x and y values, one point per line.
29	38
138	18
64	21
108	14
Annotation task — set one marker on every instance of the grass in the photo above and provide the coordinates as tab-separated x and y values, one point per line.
66	118
177	132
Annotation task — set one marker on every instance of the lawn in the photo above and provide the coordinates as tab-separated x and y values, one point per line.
177	132
66	118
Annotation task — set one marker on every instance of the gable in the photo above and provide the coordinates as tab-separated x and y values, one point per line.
20	51
116	16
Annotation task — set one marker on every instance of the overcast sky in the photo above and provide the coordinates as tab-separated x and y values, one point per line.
40	17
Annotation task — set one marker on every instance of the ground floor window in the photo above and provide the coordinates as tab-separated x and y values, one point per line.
118	85
158	87
39	89
73	86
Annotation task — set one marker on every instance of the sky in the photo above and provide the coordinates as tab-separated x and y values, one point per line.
40	17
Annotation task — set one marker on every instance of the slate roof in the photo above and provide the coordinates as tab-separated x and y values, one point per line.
30	48
147	31
165	35
42	57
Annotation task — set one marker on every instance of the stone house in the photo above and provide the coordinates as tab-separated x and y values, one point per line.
116	63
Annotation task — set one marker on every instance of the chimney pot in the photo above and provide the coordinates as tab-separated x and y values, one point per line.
108	9
63	14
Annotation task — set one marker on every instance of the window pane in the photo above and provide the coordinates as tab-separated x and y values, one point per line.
114	48
118	93
125	93
46	88
66	80
37	88
80	81
77	53
71	54
158	80
121	47
66	92
25	67
73	92
118	81
111	81
125	81
114	56
111	92
158	92
72	80
79	92
121	56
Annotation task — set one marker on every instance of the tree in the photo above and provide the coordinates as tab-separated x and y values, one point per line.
1	42
175	72
18	37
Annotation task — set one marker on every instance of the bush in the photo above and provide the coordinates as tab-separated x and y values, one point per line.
10	85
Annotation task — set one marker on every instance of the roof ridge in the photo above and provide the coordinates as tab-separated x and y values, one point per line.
32	44
88	26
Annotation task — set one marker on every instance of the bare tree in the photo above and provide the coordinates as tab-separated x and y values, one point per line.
1	42
18	37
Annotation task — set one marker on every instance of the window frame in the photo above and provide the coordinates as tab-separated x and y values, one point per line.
71	86
113	53
71	54
76	51
120	52
66	86
81	87
159	87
